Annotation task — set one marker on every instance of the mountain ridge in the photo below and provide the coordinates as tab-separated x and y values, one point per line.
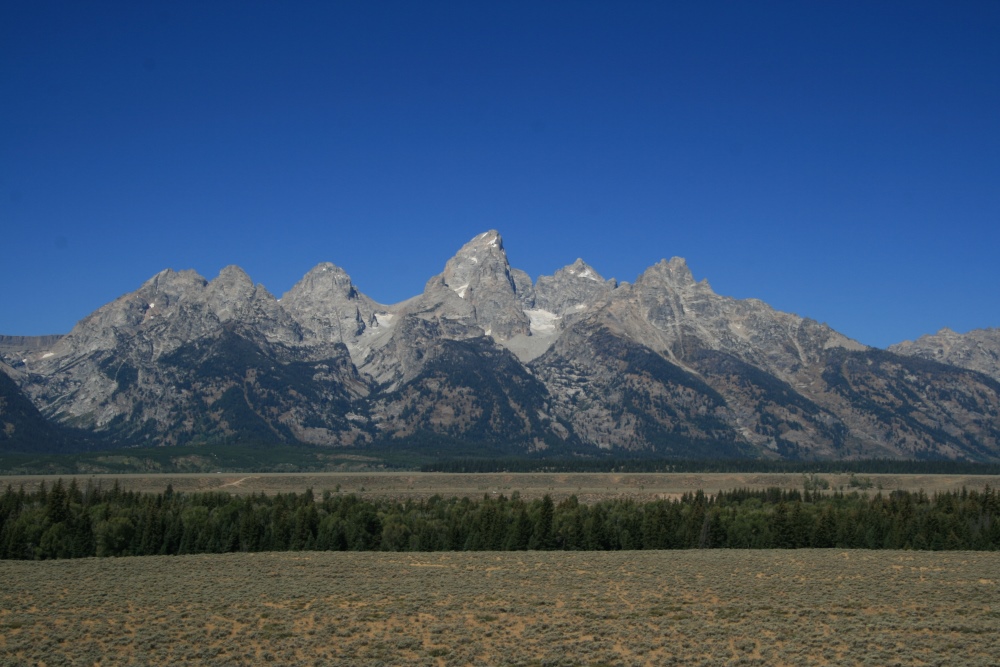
572	362
977	350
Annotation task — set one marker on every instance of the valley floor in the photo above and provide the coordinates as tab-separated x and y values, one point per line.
805	607
588	487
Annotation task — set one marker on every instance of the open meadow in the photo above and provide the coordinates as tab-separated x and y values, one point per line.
587	487
795	607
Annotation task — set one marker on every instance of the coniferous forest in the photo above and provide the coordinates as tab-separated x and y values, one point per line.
65	521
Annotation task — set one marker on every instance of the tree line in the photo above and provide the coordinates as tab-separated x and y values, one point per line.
65	521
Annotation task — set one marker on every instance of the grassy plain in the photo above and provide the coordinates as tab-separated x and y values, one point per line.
588	487
807	607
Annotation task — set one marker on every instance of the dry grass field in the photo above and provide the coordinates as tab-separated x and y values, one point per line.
588	487
809	607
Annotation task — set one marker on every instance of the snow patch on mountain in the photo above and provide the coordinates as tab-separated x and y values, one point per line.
542	321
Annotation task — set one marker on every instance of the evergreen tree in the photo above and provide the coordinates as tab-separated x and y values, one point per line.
541	536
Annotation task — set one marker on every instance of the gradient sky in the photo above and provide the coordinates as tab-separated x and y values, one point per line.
839	160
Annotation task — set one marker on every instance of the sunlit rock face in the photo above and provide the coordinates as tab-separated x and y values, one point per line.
977	350
480	275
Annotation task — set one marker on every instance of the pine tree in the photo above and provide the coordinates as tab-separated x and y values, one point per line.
541	537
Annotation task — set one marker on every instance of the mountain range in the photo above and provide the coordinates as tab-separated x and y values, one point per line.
485	359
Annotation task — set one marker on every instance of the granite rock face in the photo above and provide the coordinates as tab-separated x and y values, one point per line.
977	350
183	359
572	288
480	275
330	311
485	358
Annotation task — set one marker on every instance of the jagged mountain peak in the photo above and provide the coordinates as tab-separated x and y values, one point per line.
169	281
233	274
484	255
329	308
488	239
328	269
581	269
674	272
572	288
229	291
325	280
480	274
487	243
189	306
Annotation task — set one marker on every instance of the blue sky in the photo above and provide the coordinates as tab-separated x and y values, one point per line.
838	160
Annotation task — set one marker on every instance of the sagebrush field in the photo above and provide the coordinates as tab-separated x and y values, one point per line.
793	607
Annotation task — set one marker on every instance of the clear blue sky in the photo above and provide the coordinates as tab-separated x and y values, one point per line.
839	160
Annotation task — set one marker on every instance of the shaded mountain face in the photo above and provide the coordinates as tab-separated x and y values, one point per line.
471	390
486	358
618	394
913	407
22	426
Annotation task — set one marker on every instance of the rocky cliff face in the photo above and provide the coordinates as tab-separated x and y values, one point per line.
183	359
667	361
12	345
571	289
480	275
484	357
978	350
